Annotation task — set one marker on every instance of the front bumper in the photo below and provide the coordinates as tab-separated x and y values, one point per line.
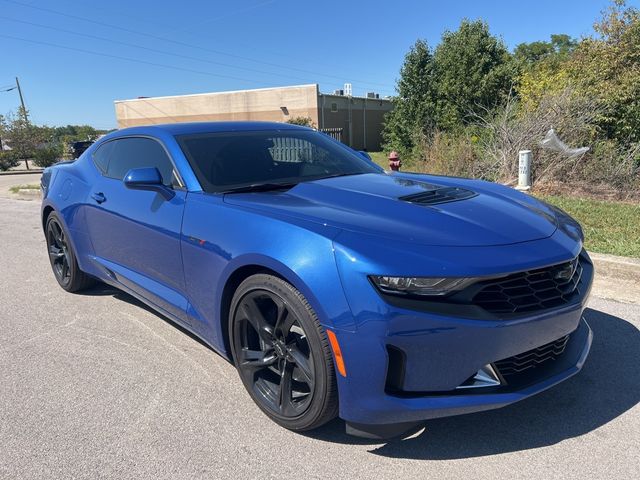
439	353
401	415
366	401
442	349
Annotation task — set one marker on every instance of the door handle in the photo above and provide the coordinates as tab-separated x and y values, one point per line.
99	197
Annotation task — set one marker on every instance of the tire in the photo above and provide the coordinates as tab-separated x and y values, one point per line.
62	257
276	342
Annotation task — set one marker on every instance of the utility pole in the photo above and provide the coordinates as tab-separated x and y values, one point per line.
24	112
24	109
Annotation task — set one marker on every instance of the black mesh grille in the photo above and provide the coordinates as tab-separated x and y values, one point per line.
439	195
533	290
517	364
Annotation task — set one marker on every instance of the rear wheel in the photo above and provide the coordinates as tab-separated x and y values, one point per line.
282	354
62	258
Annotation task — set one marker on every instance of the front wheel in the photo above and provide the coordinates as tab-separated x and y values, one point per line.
282	353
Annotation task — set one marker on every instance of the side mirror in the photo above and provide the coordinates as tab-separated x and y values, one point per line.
365	155
147	179
368	158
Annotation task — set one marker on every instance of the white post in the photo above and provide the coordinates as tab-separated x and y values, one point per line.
524	170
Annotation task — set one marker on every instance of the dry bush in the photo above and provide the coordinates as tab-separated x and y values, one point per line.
489	147
511	128
444	153
611	164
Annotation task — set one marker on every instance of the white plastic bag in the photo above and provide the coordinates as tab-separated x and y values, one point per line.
552	142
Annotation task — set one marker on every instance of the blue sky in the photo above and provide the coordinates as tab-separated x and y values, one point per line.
171	48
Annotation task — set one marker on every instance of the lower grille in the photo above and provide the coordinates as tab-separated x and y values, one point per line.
513	366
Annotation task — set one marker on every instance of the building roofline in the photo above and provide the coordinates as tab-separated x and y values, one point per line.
385	99
218	93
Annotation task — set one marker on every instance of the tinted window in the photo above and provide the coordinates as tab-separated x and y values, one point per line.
101	156
131	153
222	161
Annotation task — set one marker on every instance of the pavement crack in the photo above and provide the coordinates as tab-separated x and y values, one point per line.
178	350
16	346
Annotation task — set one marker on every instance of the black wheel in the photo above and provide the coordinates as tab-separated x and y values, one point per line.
63	261
282	353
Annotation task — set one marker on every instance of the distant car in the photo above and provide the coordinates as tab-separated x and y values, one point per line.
335	288
78	148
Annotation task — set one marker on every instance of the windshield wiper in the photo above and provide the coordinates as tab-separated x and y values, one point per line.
334	175
261	187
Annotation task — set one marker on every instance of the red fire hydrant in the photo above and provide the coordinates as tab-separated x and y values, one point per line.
394	161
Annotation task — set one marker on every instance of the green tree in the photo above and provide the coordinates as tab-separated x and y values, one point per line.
74	133
414	106
22	137
473	71
7	157
559	48
563	44
607	68
533	52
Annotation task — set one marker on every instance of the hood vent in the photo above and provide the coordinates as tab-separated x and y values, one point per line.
439	195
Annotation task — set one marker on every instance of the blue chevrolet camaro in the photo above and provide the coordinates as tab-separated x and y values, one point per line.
335	288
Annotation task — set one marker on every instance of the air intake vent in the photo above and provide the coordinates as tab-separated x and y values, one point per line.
439	195
533	358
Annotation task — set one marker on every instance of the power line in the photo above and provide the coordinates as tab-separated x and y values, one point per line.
220	17
132	60
155	50
128	59
190	30
184	44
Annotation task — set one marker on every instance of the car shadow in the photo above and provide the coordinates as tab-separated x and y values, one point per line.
102	289
608	386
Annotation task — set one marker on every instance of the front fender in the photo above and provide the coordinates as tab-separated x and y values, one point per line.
218	239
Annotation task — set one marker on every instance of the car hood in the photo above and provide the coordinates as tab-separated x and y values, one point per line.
465	212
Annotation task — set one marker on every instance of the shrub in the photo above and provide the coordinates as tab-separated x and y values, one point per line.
8	159
304	121
47	156
446	153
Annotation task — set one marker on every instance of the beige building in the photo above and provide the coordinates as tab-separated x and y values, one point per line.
356	121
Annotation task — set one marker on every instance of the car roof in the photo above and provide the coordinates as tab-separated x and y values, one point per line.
208	127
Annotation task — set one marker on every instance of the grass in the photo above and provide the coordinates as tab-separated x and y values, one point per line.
609	227
17	188
380	158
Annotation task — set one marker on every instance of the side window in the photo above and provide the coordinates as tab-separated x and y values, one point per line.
131	153
101	156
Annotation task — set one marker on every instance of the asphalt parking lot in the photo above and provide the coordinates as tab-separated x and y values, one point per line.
98	386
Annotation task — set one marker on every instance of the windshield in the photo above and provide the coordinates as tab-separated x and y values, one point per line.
232	160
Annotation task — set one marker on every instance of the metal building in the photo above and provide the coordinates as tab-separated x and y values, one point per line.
356	121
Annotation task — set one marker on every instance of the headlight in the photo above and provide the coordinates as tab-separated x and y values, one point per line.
428	286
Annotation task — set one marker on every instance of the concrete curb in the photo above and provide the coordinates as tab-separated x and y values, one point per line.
21	172
617	278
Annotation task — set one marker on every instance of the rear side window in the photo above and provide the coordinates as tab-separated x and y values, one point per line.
101	156
129	153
